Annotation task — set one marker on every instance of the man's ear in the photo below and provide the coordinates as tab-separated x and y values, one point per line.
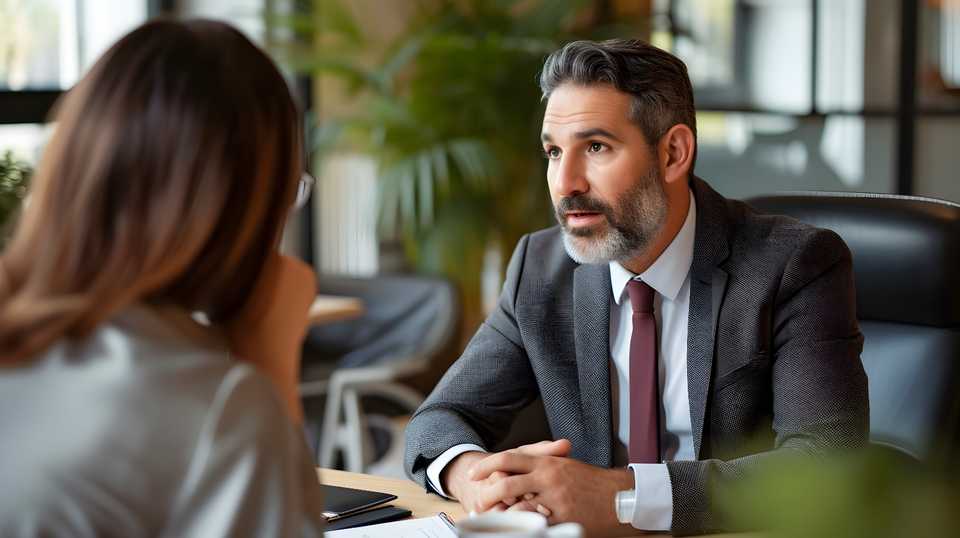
675	153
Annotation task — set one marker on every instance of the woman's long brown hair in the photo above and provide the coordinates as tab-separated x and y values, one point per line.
168	179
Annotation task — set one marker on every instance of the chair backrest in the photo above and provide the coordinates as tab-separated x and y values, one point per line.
906	262
407	317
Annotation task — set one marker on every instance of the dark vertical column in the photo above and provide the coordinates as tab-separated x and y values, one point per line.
906	102
161	8
304	86
814	53
304	89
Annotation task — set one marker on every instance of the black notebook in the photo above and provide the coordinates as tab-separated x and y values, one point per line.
369	517
341	502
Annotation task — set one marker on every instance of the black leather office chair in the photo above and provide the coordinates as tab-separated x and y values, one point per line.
906	261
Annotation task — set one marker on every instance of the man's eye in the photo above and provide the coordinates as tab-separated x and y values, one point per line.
595	147
552	153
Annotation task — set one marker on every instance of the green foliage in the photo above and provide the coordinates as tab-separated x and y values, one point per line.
451	112
871	494
14	179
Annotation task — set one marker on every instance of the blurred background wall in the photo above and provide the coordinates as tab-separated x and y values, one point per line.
410	104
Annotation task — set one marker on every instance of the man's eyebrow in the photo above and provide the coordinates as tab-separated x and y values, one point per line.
581	135
596	132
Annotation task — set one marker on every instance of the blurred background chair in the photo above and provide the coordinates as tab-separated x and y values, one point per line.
906	261
407	322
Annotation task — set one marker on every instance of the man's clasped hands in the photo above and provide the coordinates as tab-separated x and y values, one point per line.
539	477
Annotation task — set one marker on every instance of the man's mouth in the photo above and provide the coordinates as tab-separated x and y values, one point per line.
582	218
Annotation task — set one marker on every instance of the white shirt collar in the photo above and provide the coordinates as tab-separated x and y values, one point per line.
667	273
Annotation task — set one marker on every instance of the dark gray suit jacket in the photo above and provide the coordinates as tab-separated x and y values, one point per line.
773	354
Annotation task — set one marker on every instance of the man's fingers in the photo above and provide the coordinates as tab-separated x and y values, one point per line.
493	478
560	447
523	506
504	462
510	487
498	476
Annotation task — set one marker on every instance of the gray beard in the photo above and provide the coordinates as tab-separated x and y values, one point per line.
629	228
611	247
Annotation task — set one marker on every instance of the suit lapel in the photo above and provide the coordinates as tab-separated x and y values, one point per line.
591	313
708	283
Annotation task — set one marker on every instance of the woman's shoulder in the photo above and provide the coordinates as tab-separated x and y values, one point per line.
129	413
176	360
135	384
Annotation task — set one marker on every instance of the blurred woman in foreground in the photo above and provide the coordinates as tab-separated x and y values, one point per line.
161	196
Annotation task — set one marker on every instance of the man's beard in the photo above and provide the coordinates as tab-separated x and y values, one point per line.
628	229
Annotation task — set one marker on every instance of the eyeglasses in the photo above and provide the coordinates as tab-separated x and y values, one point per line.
303	190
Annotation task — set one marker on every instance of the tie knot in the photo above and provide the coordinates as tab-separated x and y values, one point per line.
641	296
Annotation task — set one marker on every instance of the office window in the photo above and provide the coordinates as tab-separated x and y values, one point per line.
939	55
26	141
938	96
809	94
246	15
746	154
30	49
937	162
48	46
51	42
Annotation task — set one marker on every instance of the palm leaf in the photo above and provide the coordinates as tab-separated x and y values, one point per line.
449	111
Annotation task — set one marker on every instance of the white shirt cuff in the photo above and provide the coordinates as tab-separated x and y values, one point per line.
653	510
436	467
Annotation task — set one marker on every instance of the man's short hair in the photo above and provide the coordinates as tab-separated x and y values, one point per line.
657	80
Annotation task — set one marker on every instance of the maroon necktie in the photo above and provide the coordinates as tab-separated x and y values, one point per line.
644	385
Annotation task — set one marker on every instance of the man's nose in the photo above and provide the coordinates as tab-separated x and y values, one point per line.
569	178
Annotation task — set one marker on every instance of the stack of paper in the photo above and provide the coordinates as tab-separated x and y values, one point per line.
438	526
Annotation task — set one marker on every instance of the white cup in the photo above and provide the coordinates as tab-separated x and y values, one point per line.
515	525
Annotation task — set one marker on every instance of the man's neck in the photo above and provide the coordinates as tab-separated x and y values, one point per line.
677	210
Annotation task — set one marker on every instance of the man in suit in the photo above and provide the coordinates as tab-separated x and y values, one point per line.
678	339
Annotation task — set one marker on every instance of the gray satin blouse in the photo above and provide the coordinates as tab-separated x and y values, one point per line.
149	428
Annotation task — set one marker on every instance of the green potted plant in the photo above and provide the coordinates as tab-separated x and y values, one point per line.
14	179
450	111
872	493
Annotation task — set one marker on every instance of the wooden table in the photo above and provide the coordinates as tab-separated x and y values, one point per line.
412	496
330	308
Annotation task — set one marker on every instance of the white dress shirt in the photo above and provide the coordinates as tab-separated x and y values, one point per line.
669	276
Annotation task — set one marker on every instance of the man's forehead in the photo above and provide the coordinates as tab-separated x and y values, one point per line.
597	106
574	118
587	97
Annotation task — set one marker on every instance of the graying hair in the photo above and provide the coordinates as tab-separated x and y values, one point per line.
657	80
